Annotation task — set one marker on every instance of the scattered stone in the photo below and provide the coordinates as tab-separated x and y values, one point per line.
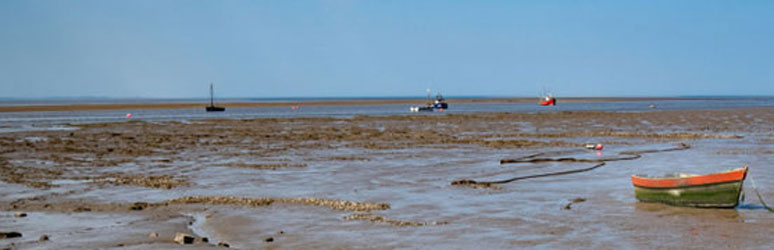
474	184
161	182
270	239
376	218
224	244
153	235
44	237
578	200
464	182
82	209
205	239
138	206
265	201
281	232
20	214
4	235
266	166
184	239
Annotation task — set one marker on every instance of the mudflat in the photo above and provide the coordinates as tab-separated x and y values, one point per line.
382	181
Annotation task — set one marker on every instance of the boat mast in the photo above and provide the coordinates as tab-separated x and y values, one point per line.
429	102
212	99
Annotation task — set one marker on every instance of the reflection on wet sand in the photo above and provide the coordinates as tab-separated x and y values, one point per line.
709	214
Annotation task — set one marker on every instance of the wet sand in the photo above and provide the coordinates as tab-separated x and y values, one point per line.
77	107
381	182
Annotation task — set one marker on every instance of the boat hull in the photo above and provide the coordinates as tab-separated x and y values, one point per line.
441	105
720	190
720	195
214	109
421	109
549	102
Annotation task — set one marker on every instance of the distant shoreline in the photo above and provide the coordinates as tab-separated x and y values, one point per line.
332	102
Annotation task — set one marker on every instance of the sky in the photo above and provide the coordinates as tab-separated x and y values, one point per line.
258	49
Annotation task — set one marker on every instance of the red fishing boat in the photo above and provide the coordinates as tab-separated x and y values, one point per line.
712	190
548	100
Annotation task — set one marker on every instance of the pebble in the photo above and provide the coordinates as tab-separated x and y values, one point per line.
82	209
224	244
270	239
44	237
154	235
138	206
184	239
20	214
4	235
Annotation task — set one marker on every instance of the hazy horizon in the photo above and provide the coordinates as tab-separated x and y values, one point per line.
337	49
221	99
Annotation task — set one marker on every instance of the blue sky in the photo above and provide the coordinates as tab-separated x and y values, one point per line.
385	48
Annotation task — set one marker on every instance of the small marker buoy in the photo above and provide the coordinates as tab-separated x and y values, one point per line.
128	115
597	146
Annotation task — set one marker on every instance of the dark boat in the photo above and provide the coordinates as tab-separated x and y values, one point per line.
440	102
212	107
721	190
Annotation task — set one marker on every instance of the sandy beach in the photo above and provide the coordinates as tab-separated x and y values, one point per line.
378	181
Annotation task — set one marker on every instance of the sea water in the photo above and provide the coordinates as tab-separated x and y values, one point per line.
58	120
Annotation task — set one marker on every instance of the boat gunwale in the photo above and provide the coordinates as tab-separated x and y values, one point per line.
738	174
688	186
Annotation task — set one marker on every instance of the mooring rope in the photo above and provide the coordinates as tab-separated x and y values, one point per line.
760	198
600	162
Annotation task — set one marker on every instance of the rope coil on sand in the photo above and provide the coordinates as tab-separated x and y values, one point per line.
531	159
